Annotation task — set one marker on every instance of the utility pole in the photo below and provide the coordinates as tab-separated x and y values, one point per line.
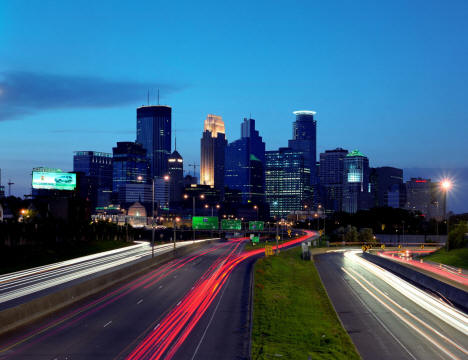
152	223
277	237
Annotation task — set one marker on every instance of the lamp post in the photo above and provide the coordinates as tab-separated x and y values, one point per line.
140	178
256	208
202	196
446	185
175	221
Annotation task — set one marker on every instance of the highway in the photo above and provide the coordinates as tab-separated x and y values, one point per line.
25	285
388	318
193	307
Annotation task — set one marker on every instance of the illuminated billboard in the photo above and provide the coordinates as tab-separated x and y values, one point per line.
53	180
205	223
229	224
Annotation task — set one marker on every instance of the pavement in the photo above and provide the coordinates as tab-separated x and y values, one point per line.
388	318
193	307
22	286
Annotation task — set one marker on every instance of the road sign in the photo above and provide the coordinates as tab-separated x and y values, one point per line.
256	225
230	224
205	223
289	232
255	239
268	250
278	237
382	246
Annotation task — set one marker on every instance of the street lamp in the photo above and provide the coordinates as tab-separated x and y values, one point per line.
446	185
186	196
175	221
256	208
140	178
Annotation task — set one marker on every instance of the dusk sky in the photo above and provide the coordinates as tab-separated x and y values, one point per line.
387	78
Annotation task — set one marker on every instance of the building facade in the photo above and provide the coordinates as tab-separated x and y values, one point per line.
425	196
130	166
304	139
386	182
154	134
96	168
176	177
356	189
287	181
245	164
213	144
331	176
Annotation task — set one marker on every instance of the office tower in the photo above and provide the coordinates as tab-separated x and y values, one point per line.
154	133
356	189
130	174
176	176
305	140
330	173
96	170
245	164
384	180
213	144
287	181
2	187
425	196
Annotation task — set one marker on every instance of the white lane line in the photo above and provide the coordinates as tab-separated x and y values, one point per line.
110	322
402	318
139	301
156	327
410	314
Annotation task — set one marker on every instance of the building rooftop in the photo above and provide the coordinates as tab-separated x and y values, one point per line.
304	112
356	153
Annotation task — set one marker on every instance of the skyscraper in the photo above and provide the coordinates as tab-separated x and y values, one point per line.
245	164
154	133
356	189
385	180
287	181
425	196
176	176
305	140
131	173
96	168
213	144
331	178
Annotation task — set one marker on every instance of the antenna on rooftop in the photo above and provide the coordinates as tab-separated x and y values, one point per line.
147	97
9	186
158	96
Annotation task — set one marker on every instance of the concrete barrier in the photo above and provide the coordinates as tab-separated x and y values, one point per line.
451	293
28	312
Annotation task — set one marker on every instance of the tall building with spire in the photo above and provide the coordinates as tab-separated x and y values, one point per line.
304	139
245	164
154	133
213	144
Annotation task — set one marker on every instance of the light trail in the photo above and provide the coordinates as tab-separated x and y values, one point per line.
23	283
166	338
403	319
443	271
71	317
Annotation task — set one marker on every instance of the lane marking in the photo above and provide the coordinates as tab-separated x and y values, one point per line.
408	323
110	322
139	301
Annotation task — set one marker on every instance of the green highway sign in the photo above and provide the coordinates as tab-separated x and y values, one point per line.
256	225
205	223
229	224
255	239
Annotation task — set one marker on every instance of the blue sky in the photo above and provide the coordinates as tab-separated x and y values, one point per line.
389	78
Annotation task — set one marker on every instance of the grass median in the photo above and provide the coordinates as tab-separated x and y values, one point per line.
454	257
292	316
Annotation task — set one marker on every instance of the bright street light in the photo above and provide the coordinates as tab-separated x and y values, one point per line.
446	184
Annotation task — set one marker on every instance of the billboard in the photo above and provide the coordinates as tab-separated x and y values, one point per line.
53	180
256	225
205	222
230	224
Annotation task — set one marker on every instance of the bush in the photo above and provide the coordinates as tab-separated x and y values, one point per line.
457	237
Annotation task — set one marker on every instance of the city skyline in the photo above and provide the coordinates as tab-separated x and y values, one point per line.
402	111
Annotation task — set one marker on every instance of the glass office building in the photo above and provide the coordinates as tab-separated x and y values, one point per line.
330	172
130	166
154	133
245	165
286	181
356	186
96	182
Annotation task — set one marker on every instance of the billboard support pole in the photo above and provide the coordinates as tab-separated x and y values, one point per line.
152	222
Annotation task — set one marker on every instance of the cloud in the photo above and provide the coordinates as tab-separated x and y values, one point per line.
26	93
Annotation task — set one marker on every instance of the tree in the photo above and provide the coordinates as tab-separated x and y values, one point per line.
458	236
366	235
351	234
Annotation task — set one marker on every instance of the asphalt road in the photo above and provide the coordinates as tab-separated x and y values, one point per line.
113	324
386	317
25	285
194	307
